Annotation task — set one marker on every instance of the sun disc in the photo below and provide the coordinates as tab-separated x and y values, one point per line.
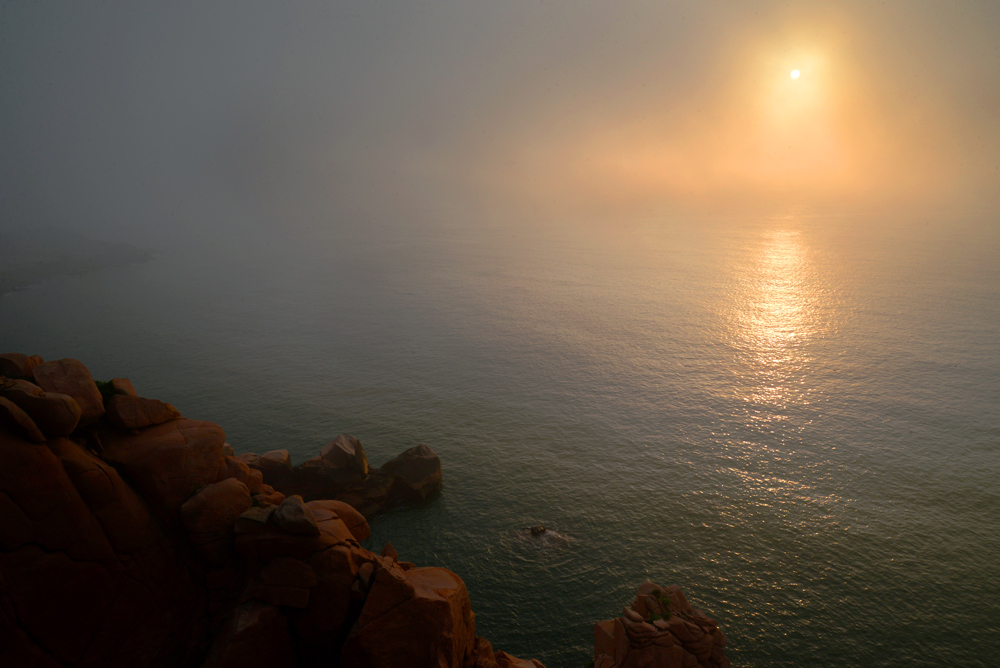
795	74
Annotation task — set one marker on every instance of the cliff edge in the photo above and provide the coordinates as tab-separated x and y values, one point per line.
133	537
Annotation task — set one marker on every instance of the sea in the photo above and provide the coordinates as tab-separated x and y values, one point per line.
794	417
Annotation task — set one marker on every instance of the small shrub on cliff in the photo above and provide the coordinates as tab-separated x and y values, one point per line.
107	390
663	600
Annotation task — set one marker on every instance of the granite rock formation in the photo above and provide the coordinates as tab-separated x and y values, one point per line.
659	629
131	537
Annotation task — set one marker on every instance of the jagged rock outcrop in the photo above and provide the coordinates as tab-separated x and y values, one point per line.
662	630
18	365
53	413
135	539
341	471
69	376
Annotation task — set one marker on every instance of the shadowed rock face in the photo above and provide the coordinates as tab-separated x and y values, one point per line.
53	413
88	577
126	411
169	462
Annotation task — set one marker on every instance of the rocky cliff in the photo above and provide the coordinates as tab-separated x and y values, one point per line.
133	537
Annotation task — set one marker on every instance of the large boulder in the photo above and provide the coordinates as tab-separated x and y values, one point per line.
417	472
209	517
234	468
169	462
414	618
123	386
126	411
87	578
17	365
69	376
355	521
55	414
345	452
18	422
293	516
275	467
341	464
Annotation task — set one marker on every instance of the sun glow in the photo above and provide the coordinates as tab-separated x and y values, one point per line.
795	74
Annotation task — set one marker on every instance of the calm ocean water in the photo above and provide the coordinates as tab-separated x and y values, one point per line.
796	419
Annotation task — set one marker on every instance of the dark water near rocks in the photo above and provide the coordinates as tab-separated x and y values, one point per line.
795	419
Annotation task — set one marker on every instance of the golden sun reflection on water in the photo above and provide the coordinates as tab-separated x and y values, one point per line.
772	315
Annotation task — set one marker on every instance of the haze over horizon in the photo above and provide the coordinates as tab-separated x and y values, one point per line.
139	119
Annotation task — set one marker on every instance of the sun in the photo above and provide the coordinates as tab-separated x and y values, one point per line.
795	74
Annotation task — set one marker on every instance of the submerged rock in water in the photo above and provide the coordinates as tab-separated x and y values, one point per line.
537	530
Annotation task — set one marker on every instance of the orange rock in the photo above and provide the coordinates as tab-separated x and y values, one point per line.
686	632
272	543
685	640
389	552
288	572
124	386
433	626
256	634
209	516
249	458
253	520
604	661
55	414
418	470
18	422
505	660
69	376
371	495
285	597
16	365
355	521
482	655
292	516
345	452
604	638
167	463
275	466
332	526
216	507
656	656
234	468
268	497
320	624
130	412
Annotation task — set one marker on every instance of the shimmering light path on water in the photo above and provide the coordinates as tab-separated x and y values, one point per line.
795	419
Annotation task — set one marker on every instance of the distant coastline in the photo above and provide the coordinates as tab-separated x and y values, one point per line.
31	256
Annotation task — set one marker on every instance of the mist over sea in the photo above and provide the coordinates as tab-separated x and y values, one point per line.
794	418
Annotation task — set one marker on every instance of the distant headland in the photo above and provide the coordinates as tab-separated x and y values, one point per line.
29	256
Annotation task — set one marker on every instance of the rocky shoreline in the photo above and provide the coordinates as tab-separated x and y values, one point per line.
131	536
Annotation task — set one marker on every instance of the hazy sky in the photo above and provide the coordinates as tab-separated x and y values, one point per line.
140	115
